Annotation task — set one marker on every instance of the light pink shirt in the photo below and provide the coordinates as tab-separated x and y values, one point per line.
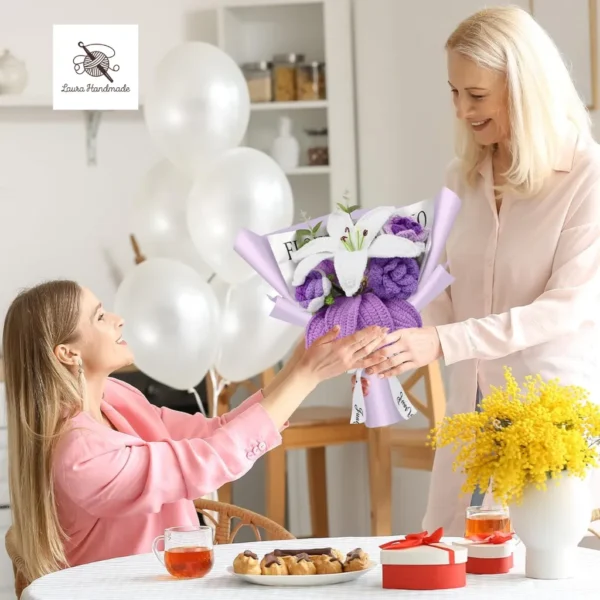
526	295
117	490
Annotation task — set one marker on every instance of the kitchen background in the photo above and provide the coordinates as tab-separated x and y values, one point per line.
68	180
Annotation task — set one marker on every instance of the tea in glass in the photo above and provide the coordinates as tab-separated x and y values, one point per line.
486	521
188	551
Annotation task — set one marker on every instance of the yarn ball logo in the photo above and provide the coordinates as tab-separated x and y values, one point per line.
95	67
95	61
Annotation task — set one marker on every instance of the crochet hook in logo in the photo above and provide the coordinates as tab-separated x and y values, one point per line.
95	67
95	61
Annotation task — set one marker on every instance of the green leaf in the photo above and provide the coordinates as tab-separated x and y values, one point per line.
329	300
342	207
316	228
303	232
353	208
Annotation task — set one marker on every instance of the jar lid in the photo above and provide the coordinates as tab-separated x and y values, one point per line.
262	65
292	57
314	64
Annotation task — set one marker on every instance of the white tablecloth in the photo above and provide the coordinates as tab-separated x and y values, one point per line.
143	577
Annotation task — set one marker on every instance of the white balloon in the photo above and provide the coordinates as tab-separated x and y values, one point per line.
198	105
160	220
242	188
251	341
171	321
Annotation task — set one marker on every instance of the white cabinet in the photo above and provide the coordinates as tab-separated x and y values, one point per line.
253	31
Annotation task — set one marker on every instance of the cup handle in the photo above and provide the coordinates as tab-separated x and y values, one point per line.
154	549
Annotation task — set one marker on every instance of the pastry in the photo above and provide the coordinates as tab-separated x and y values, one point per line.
356	560
301	564
246	563
339	555
273	565
327	565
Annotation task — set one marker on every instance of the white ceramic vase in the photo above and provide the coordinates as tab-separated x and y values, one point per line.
13	74
551	524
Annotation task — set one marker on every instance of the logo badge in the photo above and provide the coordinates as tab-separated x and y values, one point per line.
95	67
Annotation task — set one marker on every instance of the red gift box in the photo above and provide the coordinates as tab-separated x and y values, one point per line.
489	555
423	562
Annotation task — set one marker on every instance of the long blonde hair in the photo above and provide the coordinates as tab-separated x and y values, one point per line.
542	100
41	396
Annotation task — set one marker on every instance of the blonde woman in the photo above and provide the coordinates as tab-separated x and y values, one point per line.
525	250
96	471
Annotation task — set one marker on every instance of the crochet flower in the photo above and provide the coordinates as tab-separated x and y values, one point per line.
406	227
316	287
393	277
350	245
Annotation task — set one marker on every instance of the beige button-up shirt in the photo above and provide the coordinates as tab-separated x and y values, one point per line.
526	295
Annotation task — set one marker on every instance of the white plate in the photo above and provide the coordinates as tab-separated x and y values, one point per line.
302	580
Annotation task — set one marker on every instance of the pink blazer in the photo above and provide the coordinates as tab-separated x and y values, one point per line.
117	490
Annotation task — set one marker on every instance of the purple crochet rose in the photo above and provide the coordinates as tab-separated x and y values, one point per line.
393	277
316	287
406	227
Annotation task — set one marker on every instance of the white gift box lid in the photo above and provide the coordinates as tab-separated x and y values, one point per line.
481	550
434	554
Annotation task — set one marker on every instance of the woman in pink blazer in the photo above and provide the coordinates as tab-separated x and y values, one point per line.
96	471
525	250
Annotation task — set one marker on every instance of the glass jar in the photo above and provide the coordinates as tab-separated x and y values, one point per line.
318	148
260	80
284	76
310	81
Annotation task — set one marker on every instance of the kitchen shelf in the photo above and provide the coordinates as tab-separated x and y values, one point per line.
324	170
24	101
295	105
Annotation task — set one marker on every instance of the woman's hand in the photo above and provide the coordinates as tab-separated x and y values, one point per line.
329	357
405	350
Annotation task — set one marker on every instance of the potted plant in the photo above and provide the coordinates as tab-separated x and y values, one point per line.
533	446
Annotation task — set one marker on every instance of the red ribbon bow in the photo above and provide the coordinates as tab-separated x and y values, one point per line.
412	540
495	538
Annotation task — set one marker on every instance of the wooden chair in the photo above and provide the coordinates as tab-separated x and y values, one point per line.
226	514
314	429
409	446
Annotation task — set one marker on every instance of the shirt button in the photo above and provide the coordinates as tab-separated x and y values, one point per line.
250	456
262	446
256	450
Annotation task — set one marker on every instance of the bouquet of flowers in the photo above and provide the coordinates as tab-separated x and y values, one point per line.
522	437
356	268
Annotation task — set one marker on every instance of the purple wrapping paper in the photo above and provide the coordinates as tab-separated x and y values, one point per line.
380	405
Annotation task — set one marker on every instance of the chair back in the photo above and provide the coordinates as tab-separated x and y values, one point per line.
223	516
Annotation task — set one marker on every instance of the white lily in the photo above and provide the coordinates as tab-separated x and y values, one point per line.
350	245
